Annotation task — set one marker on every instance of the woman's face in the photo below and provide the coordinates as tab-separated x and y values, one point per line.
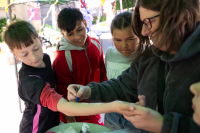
152	19
146	13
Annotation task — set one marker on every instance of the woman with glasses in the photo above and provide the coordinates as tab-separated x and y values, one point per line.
162	71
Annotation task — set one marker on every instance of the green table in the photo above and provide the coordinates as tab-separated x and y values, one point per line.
77	126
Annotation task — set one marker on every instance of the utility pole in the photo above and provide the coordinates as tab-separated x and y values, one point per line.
9	11
54	17
15	61
121	8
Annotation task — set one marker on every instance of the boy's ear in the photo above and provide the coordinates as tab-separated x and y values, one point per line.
40	39
14	54
85	23
62	33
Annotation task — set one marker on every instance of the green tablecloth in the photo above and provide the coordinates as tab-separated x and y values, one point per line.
77	126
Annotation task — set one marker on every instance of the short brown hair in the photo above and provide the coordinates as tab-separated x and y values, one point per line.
173	15
68	17
19	34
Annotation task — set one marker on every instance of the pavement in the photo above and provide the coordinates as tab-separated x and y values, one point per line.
9	113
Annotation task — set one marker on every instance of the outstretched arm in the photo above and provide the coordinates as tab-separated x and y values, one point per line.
86	109
51	99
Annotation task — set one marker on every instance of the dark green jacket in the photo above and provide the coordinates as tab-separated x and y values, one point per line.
182	70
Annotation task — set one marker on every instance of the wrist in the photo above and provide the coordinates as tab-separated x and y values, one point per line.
113	106
159	125
88	92
110	107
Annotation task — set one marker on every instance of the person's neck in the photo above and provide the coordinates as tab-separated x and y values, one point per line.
172	52
84	46
43	65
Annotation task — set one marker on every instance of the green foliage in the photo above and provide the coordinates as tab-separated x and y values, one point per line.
51	27
102	19
94	20
2	24
125	4
16	19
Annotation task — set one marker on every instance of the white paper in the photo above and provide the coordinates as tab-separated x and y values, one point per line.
69	130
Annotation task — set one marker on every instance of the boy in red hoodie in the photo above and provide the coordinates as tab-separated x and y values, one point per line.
79	58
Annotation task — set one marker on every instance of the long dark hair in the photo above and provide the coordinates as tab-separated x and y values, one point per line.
121	21
173	15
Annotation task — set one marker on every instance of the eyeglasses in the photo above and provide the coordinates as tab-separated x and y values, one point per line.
147	22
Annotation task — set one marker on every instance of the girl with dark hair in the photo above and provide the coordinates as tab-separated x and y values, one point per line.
118	58
162	72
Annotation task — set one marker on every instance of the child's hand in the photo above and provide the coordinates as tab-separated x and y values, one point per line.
195	89
142	101
122	107
84	92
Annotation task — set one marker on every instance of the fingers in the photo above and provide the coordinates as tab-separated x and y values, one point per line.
128	106
70	96
80	92
71	89
138	103
131	106
72	92
129	118
128	109
134	119
195	89
139	110
142	101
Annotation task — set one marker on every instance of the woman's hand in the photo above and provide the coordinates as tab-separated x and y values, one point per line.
146	119
84	92
122	107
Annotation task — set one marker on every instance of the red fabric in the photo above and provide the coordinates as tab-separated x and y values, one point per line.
81	73
49	97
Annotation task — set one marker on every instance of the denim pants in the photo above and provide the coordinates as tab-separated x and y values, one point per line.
116	121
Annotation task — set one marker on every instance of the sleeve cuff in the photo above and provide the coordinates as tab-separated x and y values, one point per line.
167	123
57	98
92	93
49	97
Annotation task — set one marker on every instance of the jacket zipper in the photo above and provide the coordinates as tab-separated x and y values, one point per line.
166	92
88	62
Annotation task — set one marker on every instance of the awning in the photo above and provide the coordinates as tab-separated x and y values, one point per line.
42	1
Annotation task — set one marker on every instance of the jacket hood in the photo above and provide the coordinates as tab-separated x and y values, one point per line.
190	47
64	44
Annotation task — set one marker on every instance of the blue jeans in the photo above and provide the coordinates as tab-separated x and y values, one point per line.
116	121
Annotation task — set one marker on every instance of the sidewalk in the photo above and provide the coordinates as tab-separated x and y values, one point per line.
9	114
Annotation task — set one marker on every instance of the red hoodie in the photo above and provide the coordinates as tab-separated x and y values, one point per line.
77	65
